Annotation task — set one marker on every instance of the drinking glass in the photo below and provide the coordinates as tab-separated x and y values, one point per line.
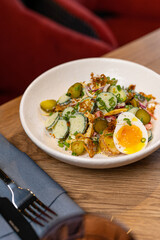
88	227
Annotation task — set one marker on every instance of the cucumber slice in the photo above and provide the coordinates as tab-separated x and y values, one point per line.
64	99
51	121
87	104
150	136
118	92
143	115
68	112
78	124
61	129
133	110
106	101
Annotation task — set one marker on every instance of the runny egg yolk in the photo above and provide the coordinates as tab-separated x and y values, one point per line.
130	138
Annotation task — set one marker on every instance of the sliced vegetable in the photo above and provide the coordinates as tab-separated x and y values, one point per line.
48	105
100	124
75	90
118	92
61	129
133	110
69	111
106	101
64	99
51	120
116	111
77	148
150	136
78	124
87	104
143	115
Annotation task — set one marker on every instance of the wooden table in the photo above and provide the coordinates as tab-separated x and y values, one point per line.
131	193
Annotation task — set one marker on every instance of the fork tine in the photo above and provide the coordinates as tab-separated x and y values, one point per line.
45	207
30	209
40	210
31	218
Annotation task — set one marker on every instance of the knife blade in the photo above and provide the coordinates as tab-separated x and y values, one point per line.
16	220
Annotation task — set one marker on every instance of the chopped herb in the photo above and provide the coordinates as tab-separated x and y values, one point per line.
76	106
51	114
128	121
66	144
100	132
75	133
109	134
72	116
66	148
74	154
68	94
119	88
69	138
66	117
129	107
118	97
143	140
112	102
73	112
97	92
60	144
102	103
148	99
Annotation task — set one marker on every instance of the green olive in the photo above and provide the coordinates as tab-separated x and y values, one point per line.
77	147
100	124
143	116
48	105
75	90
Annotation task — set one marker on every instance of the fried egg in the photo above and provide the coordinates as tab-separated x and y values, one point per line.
130	135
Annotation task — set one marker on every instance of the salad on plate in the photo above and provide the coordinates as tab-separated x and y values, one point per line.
100	117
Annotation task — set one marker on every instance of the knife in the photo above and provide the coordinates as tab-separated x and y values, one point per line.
16	220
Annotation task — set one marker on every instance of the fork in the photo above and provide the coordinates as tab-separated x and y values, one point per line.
27	203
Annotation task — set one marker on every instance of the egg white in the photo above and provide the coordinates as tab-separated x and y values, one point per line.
134	121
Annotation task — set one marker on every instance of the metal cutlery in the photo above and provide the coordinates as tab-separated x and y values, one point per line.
27	203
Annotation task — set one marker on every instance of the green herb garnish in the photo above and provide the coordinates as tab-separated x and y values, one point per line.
97	92
143	140
74	154
119	88
128	121
102	103
109	134
75	133
76	106
112	102
60	144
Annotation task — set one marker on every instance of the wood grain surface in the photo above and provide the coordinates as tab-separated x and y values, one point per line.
131	194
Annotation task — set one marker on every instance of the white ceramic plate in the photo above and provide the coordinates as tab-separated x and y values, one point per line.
53	83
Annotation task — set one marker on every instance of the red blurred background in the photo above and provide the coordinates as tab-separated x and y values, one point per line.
38	35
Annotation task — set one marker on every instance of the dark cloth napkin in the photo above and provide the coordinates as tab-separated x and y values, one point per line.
27	174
